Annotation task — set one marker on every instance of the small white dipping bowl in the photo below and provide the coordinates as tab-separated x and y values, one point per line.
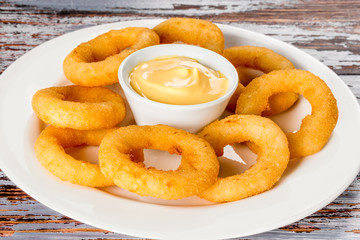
187	117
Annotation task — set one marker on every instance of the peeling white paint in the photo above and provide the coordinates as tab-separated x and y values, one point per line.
185	7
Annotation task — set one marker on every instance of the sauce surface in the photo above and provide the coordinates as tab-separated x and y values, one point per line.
177	80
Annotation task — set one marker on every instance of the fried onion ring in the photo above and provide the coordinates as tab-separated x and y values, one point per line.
198	169
316	128
96	62
191	31
49	150
273	156
77	107
265	60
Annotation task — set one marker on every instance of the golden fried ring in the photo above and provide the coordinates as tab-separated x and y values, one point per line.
191	31
198	169
273	156
316	128
77	107
49	150
265	60
96	62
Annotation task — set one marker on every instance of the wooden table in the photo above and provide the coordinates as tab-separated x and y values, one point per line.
328	30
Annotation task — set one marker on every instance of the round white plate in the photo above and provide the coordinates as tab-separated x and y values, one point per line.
306	186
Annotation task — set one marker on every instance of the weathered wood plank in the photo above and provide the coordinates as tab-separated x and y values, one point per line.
335	41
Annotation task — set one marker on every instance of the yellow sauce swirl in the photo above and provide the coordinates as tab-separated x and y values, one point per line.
178	80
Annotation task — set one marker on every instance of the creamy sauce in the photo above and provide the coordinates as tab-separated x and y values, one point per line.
178	80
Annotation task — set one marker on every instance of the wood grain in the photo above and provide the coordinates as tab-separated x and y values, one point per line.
327	30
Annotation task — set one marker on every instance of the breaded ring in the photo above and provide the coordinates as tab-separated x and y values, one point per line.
273	156
265	60
191	31
198	169
77	107
49	150
96	62
316	128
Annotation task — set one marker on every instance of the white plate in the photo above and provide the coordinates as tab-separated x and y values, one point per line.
306	187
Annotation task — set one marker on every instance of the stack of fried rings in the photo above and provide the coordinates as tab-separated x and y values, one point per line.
120	151
81	115
77	116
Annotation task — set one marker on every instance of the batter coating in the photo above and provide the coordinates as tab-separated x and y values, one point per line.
265	60
78	107
49	150
96	62
198	169
273	156
316	128
191	31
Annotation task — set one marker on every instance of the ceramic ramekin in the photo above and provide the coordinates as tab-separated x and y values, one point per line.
187	117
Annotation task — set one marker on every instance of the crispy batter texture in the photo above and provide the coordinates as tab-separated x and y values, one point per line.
49	150
191	31
265	60
198	169
316	128
77	107
96	62
273	156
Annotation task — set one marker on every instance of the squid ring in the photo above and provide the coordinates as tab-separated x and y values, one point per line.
272	161
96	62
49	150
198	169
191	31
265	60
77	107
315	129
